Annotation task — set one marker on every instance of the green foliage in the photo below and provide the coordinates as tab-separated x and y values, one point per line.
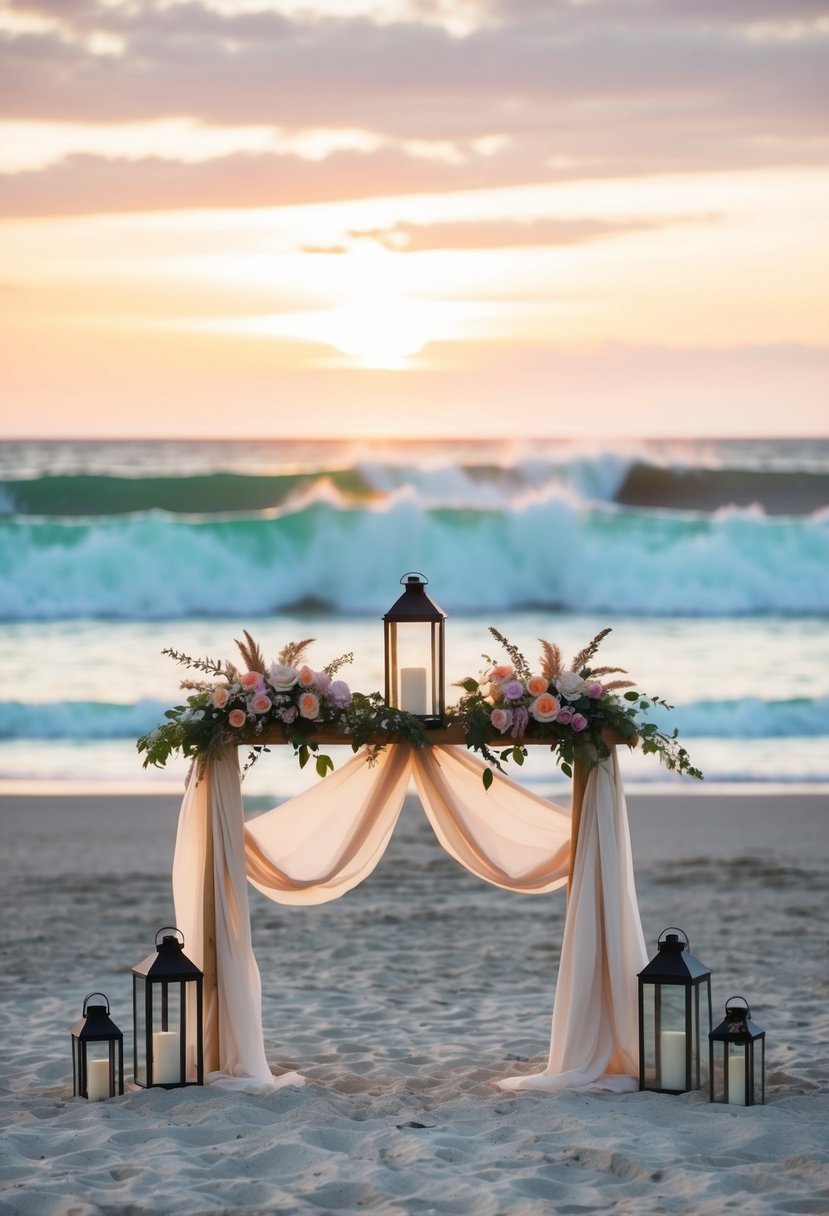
372	724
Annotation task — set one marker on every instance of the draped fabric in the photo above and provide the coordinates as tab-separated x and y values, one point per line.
594	1040
233	1008
323	843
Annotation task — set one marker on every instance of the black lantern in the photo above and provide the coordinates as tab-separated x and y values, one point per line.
674	997
97	1052
414	631
167	1016
737	1058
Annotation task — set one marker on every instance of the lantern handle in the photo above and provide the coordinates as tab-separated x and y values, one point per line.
89	994
739	998
405	578
175	930
675	929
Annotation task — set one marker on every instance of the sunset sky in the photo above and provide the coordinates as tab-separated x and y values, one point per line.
414	217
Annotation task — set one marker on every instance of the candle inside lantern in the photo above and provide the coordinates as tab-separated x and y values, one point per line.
672	1043
413	689
736	1080
166	1058
97	1080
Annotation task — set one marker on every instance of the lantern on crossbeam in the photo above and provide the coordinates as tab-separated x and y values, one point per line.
674	1002
97	1052
415	653
737	1063
168	1049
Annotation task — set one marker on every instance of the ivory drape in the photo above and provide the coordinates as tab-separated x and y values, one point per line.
328	839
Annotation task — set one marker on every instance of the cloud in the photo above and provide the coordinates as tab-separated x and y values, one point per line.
606	88
502	234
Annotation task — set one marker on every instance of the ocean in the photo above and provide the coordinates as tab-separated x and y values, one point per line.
709	560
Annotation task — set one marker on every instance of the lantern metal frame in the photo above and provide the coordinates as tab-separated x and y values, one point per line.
169	975
95	1026
737	1031
674	973
415	608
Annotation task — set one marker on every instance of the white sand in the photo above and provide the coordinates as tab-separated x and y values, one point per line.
401	1004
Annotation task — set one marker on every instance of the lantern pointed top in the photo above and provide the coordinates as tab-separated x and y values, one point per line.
414	604
674	960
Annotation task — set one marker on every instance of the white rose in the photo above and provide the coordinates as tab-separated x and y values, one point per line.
282	677
570	685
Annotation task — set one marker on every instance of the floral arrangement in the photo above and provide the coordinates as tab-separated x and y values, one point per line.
571	704
236	704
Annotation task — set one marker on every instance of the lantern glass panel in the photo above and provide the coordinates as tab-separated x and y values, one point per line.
415	669
140	1025
758	1070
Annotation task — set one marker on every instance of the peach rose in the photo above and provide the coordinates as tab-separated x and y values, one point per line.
545	707
237	718
502	672
250	679
261	703
219	698
536	685
306	677
309	705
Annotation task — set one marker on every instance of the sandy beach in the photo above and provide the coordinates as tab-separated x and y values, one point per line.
401	1004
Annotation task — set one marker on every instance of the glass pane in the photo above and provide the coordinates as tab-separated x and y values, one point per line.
167	1029
673	1037
139	1021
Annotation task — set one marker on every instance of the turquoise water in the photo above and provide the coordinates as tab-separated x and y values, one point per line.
110	552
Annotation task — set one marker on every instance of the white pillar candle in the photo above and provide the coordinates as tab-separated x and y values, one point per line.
736	1081
672	1044
413	689
166	1058
97	1080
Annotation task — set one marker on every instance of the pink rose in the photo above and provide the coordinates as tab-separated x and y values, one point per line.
513	690
237	718
501	719
564	715
306	677
339	694
219	698
250	679
578	722
545	707
261	703
536	685
308	705
593	689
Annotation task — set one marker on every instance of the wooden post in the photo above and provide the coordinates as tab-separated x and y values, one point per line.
577	801
211	982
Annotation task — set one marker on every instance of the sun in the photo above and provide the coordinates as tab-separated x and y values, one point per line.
379	330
